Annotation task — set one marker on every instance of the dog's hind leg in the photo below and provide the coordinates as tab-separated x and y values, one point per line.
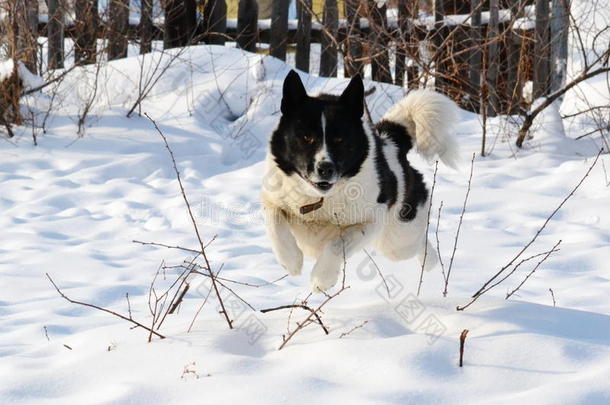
283	243
402	240
352	239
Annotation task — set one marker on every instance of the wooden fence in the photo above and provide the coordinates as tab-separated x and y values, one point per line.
479	52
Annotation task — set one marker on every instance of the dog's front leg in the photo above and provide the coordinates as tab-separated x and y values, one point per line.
283	243
351	240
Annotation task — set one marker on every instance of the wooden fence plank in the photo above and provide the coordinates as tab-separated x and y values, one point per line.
328	59
55	33
303	35
247	25
380	63
352	65
85	45
439	34
172	32
560	24
458	73
541	49
513	49
215	21
31	56
146	26
119	22
413	52
181	22
402	43
279	29
475	53
491	75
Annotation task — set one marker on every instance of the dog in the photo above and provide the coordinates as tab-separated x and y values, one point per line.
333	185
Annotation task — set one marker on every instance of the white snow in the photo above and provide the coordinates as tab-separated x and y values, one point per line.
72	206
6	68
30	80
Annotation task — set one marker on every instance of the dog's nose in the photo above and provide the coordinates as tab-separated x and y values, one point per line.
326	170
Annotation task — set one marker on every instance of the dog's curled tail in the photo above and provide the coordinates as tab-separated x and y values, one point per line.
429	117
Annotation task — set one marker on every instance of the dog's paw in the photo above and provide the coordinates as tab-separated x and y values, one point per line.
325	273
293	262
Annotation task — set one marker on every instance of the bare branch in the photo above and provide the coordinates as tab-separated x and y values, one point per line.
508	295
128	319
195	227
457	233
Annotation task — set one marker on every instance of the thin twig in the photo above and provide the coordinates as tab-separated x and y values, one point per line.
485	288
178	301
457	233
462	344
313	313
438	245
235	294
128	305
303	306
378	272
508	295
205	300
228	280
195	227
344	334
423	263
166	246
103	309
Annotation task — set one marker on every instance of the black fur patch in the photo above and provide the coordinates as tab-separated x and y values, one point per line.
387	179
415	193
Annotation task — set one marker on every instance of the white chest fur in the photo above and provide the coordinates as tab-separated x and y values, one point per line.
351	201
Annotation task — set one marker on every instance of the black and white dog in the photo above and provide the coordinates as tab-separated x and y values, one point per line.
332	186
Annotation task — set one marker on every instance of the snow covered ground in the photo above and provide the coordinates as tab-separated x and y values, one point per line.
72	206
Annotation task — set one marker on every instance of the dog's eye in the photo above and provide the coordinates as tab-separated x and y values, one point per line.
308	139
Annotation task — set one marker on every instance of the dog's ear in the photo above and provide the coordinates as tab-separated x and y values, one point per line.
293	93
353	96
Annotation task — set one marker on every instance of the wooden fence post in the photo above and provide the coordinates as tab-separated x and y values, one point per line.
513	50
379	38
31	56
303	36
146	26
475	53
22	32
541	49
413	69
407	44
328	59
85	43
215	18
181	22
402	43
491	76
247	25
440	83
279	29
119	22
55	34
354	38
560	24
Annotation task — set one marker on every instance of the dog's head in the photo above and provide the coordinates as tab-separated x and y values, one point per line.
320	139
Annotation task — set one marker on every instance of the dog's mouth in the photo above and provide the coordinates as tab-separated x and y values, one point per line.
322	185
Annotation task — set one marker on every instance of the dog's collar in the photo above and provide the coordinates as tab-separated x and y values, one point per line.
306	209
